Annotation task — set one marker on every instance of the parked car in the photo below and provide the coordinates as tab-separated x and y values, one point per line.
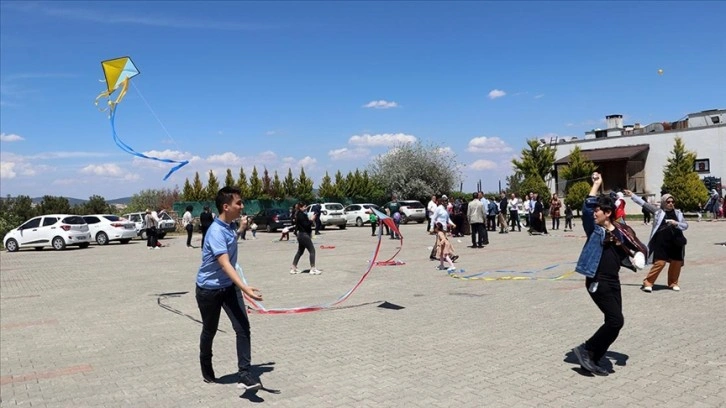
330	214
272	219
56	230
105	228
166	224
411	210
359	214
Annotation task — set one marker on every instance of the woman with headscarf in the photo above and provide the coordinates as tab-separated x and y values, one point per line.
667	243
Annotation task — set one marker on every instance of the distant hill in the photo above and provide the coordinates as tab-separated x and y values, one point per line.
78	201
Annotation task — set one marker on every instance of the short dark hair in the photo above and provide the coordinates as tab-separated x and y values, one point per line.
605	203
474	195
225	196
190	208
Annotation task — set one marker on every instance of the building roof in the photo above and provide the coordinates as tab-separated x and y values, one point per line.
609	153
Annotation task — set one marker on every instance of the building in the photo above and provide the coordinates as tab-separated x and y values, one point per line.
633	156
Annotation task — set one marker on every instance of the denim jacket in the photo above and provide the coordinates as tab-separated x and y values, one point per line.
592	251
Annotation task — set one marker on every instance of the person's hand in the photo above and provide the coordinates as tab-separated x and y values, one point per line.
596	178
672	223
252	292
628	193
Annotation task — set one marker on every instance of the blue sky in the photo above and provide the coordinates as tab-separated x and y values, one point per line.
331	85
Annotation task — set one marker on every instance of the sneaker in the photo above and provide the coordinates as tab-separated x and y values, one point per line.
294	271
583	357
441	267
315	271
247	382
451	269
676	288
648	289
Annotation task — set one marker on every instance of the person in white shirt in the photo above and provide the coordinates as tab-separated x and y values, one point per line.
430	208
188	223
441	215
513	207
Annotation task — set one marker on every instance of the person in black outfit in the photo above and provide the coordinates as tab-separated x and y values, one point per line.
205	220
304	229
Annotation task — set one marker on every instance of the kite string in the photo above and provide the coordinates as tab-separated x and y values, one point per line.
155	115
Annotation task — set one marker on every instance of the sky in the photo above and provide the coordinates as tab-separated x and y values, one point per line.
330	86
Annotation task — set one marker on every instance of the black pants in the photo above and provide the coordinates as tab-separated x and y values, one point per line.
204	233
568	223
211	302
318	224
374	225
189	228
514	218
151	238
428	222
608	300
491	222
555	223
304	242
477	233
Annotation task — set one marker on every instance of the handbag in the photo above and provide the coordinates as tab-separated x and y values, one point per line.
678	237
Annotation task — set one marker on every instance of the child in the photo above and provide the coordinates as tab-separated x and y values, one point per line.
253	227
568	218
285	234
397	221
374	222
444	248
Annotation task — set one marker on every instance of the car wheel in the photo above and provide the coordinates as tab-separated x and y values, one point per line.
84	244
358	222
268	228
125	241
58	243
404	219
342	226
420	221
143	236
161	236
11	245
102	238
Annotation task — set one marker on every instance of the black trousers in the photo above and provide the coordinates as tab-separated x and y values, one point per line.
477	232
189	229
608	300
151	238
514	218
304	242
211	302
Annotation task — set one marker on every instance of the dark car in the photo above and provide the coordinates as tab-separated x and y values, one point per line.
272	219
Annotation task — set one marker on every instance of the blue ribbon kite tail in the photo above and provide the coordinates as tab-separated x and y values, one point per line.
128	149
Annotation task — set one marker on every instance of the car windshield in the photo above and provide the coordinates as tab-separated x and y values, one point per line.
164	216
334	206
74	220
112	218
412	204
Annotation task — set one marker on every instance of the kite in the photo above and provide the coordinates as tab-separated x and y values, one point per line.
118	72
660	72
259	307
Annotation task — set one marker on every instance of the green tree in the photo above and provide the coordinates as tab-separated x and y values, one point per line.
579	168
162	199
535	185
416	171
289	184
14	211
96	204
187	191
255	185
326	189
339	187
242	184
198	192
304	187
538	160
54	205
278	190
681	180
229	179
210	193
514	182
266	184
577	194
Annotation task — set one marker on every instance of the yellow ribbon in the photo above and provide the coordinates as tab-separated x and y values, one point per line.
512	278
107	94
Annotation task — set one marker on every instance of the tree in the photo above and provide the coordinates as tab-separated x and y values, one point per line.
54	205
289	185
255	185
536	185
266	184
278	191
198	193
339	188
577	194
187	191
304	187
415	171
97	205
244	188
579	168
514	182
162	199
229	179
210	193
538	160
326	189
681	180
14	211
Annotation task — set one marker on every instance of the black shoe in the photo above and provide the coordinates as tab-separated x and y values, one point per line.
480	246
583	356
208	373
248	382
433	258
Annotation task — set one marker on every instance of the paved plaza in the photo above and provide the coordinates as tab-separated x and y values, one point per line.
118	326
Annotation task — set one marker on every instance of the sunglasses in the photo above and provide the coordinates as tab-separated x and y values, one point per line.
670	201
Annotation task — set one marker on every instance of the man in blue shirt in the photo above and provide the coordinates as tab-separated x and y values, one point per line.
217	283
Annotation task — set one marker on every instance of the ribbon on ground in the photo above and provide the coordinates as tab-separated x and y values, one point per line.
480	275
259	307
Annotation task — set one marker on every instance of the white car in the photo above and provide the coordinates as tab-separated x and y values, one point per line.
359	214
166	224
330	214
56	230
105	228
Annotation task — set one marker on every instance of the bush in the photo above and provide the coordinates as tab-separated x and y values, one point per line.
577	194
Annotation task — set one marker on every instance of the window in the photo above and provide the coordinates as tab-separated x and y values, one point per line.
74	220
334	207
34	223
112	218
49	221
702	166
91	219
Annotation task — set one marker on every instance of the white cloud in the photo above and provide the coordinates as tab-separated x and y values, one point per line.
348	154
383	139
270	133
445	150
4	137
107	169
66	155
538	96
381	104
485	144
267	157
7	170
483	164
227	158
307	162
496	93
170	154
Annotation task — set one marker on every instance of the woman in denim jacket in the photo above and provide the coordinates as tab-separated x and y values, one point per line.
667	243
606	248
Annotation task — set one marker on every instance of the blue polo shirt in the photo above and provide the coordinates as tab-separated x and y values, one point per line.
221	238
